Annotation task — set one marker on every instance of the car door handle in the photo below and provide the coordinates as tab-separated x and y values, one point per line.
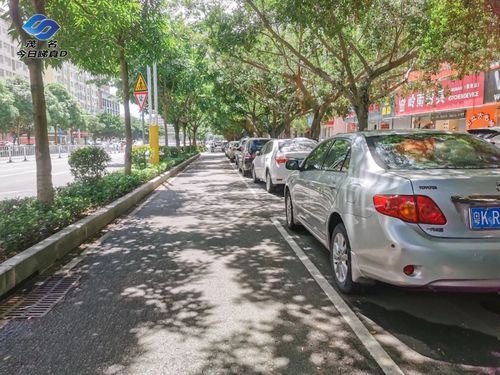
333	186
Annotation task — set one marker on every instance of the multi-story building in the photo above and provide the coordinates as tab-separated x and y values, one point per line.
82	85
10	65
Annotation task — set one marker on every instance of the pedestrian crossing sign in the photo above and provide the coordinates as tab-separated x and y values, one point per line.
140	84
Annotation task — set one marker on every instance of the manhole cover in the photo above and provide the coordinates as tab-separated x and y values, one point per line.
39	301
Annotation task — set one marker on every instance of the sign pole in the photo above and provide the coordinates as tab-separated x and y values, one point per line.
154	133
155	85
143	140
150	102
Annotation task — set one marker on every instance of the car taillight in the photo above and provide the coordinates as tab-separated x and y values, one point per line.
418	209
280	159
429	212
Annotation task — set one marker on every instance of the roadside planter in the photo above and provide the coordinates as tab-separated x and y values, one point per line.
45	253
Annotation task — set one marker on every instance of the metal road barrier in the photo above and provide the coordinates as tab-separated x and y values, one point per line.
27	152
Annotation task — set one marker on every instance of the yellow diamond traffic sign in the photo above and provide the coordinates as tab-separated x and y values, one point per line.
140	84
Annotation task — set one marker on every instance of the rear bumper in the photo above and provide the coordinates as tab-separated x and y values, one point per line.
488	285
247	164
280	174
440	263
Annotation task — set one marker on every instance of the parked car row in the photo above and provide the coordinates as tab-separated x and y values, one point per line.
408	208
264	159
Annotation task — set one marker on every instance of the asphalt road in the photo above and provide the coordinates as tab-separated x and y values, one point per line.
199	280
18	179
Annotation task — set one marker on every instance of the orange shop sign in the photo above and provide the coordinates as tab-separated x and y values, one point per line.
483	117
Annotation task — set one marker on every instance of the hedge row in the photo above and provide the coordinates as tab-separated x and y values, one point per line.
25	221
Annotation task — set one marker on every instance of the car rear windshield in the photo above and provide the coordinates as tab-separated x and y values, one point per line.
484	133
296	145
433	151
257	145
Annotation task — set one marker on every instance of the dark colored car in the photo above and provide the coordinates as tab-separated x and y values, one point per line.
248	153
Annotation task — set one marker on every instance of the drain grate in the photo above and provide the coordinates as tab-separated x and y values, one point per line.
39	301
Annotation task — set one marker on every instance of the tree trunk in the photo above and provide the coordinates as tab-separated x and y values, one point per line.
18	131
164	107
45	189
126	105
177	137
55	135
288	126
29	137
361	107
184	135
71	140
165	126
194	137
319	114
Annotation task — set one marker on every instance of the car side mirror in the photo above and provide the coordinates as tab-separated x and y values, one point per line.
292	165
258	153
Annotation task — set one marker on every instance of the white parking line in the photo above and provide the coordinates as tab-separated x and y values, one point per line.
370	343
254	193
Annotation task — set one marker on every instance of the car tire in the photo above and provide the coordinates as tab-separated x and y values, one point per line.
254	176
289	212
340	259
270	187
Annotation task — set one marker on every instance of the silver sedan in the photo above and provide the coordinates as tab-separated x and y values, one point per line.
406	208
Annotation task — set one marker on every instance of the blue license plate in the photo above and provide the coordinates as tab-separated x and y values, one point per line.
485	218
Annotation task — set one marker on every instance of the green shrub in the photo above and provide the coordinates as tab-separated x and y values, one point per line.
88	163
173	152
140	156
164	153
190	149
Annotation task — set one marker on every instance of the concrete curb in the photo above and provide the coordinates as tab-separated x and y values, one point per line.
44	254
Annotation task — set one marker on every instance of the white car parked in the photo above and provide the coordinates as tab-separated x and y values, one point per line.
269	163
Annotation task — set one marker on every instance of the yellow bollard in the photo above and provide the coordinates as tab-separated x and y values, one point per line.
154	143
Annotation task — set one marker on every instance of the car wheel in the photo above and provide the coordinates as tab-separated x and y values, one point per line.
270	187
290	215
340	253
254	176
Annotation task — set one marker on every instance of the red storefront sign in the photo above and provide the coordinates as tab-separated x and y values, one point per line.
465	93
